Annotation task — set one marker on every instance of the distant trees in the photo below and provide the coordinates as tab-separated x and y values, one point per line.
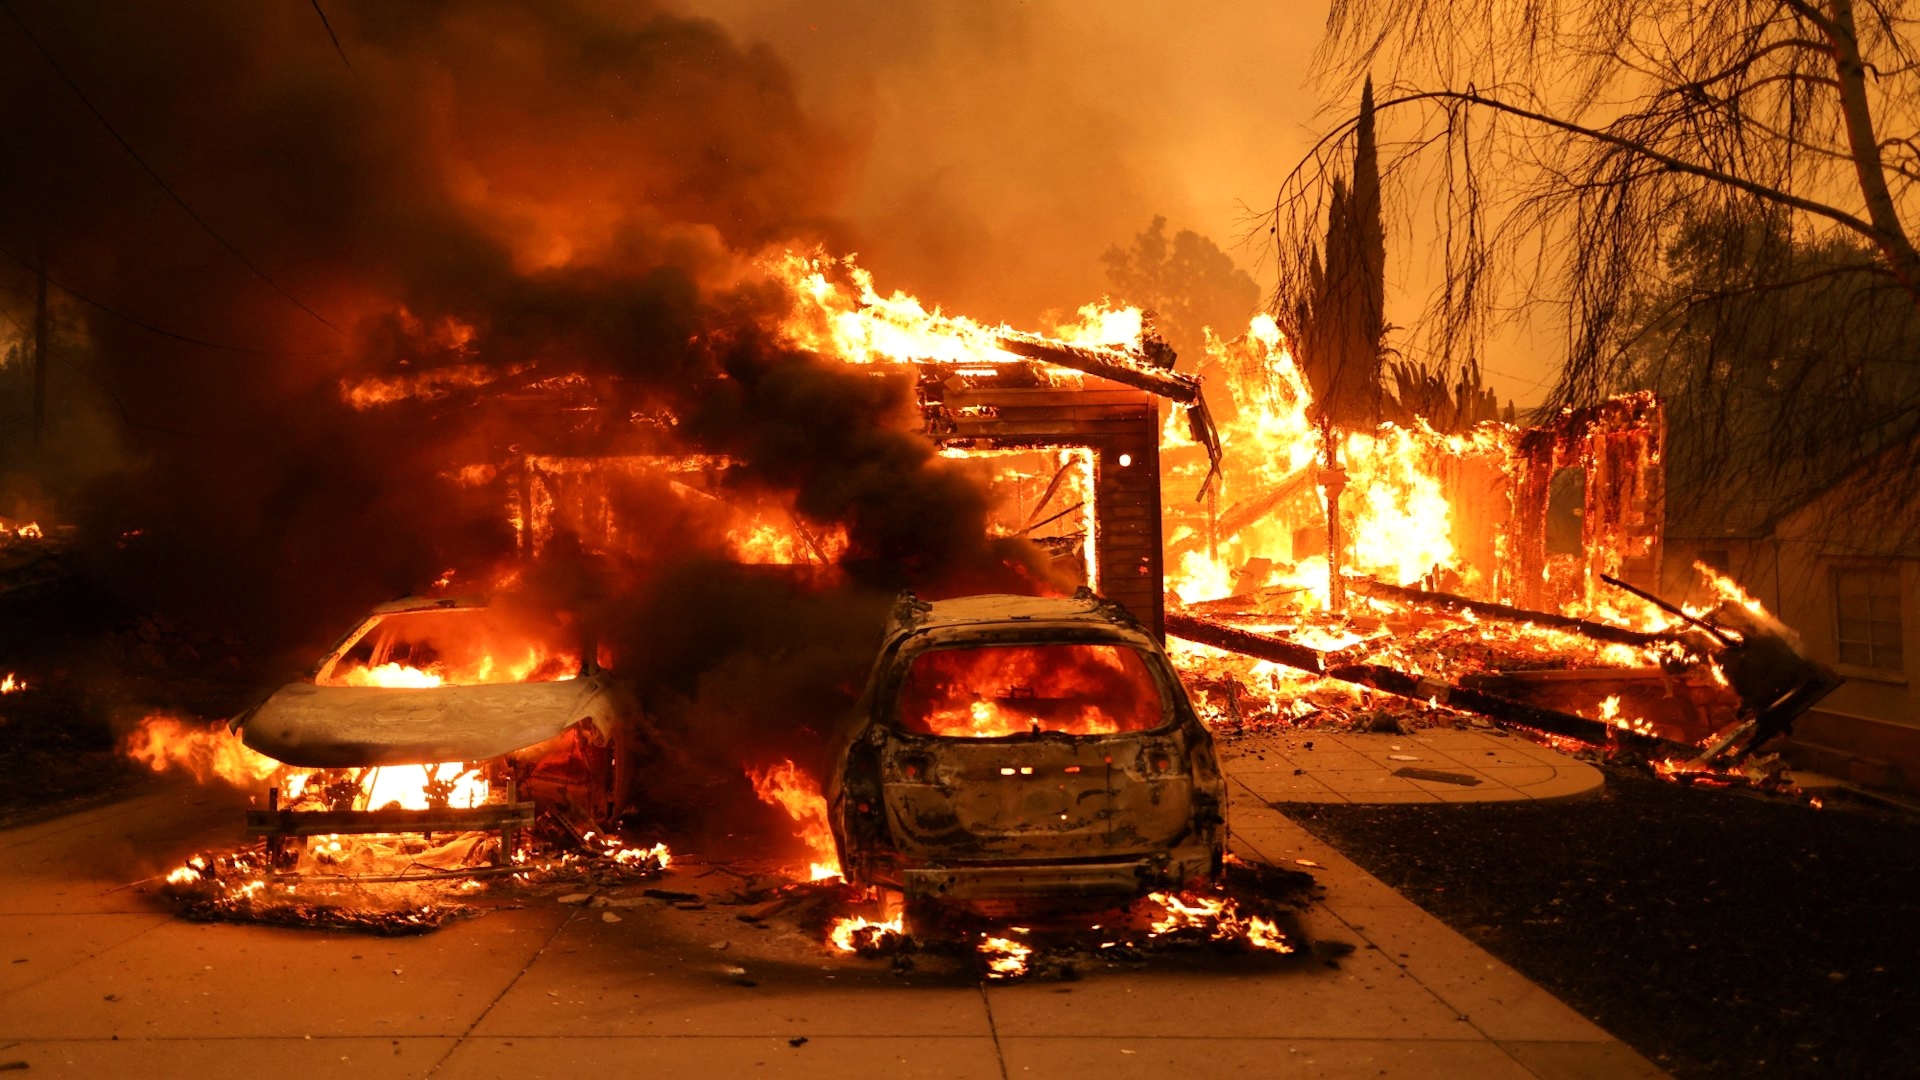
1785	363
1595	161
1187	282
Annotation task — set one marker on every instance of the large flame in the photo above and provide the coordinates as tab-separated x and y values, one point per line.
787	787
995	691
164	743
1397	522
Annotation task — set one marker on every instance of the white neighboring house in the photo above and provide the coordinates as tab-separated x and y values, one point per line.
1849	584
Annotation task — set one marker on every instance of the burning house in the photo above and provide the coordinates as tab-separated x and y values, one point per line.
1414	577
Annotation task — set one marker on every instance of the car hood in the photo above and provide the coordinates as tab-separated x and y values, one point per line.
339	727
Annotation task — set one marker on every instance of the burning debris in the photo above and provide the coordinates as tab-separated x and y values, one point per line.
387	848
1254	911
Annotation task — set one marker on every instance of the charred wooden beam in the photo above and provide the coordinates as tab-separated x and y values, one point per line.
1110	364
1246	643
1507	613
1243	514
1502	711
1127	370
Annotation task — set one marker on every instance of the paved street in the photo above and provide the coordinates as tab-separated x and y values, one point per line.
97	978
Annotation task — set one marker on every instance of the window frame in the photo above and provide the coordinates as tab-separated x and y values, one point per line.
1874	669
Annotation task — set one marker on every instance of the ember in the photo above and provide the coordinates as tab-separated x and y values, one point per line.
1005	958
1218	918
859	934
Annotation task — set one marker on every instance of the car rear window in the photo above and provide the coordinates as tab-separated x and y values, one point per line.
991	691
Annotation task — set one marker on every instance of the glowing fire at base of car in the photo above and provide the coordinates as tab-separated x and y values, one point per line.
1219	917
859	934
1007	952
379	881
1004	958
788	787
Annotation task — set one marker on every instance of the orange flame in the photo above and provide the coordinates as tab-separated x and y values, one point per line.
11	685
786	787
1219	917
1005	958
995	691
851	933
164	743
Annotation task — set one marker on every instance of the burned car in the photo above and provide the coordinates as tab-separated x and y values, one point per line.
1012	749
437	715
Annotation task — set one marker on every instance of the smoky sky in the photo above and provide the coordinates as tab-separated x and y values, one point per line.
576	186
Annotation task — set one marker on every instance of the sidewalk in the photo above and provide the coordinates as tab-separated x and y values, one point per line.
1436	765
98	979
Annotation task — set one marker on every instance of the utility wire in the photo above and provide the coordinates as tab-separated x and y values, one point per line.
331	36
151	328
164	186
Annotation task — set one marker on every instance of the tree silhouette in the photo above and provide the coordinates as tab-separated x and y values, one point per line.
1560	151
1188	283
1337	320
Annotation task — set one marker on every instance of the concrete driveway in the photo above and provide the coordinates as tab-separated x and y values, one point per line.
98	979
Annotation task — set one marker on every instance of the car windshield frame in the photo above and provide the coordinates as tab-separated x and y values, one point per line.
327	671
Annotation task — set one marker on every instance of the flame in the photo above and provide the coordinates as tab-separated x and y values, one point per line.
1218	917
792	790
164	743
1727	590
407	786
763	542
430	385
995	691
1005	958
11	685
855	933
1396	519
395	675
466	646
839	313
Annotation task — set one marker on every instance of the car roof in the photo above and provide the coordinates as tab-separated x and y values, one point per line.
428	603
914	615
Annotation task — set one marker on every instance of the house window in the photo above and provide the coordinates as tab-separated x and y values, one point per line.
1866	606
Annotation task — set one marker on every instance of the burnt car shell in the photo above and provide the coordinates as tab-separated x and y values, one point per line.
570	741
993	822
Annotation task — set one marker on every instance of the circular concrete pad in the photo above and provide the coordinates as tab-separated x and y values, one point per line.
1433	766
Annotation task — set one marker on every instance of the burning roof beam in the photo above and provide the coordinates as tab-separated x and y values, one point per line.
1502	711
1487	609
1128	370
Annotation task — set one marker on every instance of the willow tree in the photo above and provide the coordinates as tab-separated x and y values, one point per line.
1552	155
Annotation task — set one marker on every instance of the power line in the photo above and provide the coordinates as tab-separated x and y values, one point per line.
151	328
331	36
164	186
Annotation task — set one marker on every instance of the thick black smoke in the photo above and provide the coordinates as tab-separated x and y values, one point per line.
569	186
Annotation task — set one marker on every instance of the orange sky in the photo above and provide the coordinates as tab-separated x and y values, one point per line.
1006	145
